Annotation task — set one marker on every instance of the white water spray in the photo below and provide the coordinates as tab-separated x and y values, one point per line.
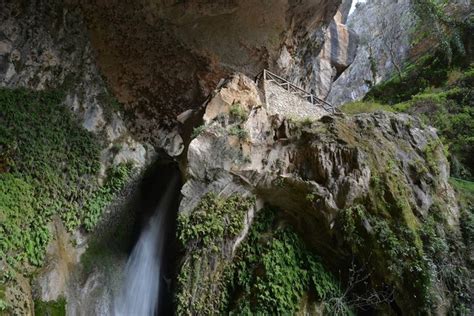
140	290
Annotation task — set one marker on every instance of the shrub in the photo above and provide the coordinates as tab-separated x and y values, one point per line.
238	131
237	111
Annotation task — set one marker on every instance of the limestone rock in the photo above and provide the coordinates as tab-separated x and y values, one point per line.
384	45
315	170
390	39
338	49
52	280
162	58
59	58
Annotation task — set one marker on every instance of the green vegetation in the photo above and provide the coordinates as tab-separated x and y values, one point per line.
441	95
207	232
238	131
45	159
414	253
273	270
237	112
116	179
451	111
53	308
408	253
465	191
434	23
390	247
300	124
3	305
214	220
197	131
49	167
428	71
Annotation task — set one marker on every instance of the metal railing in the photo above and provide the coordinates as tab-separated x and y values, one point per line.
294	89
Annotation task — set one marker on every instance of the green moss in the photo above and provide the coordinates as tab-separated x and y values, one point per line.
431	155
52	308
441	95
48	167
206	232
391	248
465	191
273	269
238	131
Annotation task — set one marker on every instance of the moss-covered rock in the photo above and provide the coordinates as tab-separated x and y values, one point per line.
368	192
49	166
209	232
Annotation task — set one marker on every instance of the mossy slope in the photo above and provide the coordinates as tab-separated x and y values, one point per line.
49	166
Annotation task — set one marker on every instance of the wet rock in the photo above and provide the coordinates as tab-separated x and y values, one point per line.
52	280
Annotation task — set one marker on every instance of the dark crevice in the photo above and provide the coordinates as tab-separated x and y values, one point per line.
151	189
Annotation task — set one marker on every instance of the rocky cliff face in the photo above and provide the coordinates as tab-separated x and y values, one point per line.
385	42
160	58
164	57
154	58
361	187
337	53
393	34
278	210
45	46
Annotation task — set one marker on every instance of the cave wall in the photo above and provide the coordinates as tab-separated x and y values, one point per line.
161	58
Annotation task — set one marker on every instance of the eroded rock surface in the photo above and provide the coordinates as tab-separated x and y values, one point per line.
164	57
337	53
392	34
315	172
385	41
46	46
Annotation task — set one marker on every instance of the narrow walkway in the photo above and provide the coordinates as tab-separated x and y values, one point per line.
292	88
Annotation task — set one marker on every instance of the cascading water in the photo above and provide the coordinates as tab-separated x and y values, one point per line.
143	272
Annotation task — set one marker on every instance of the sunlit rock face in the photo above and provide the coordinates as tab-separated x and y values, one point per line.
164	57
338	52
383	27
391	36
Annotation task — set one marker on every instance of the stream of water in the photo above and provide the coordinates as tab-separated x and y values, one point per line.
141	288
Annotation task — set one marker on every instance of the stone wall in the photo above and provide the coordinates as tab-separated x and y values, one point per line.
283	102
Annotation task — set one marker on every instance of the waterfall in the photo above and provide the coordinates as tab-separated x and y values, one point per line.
141	287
